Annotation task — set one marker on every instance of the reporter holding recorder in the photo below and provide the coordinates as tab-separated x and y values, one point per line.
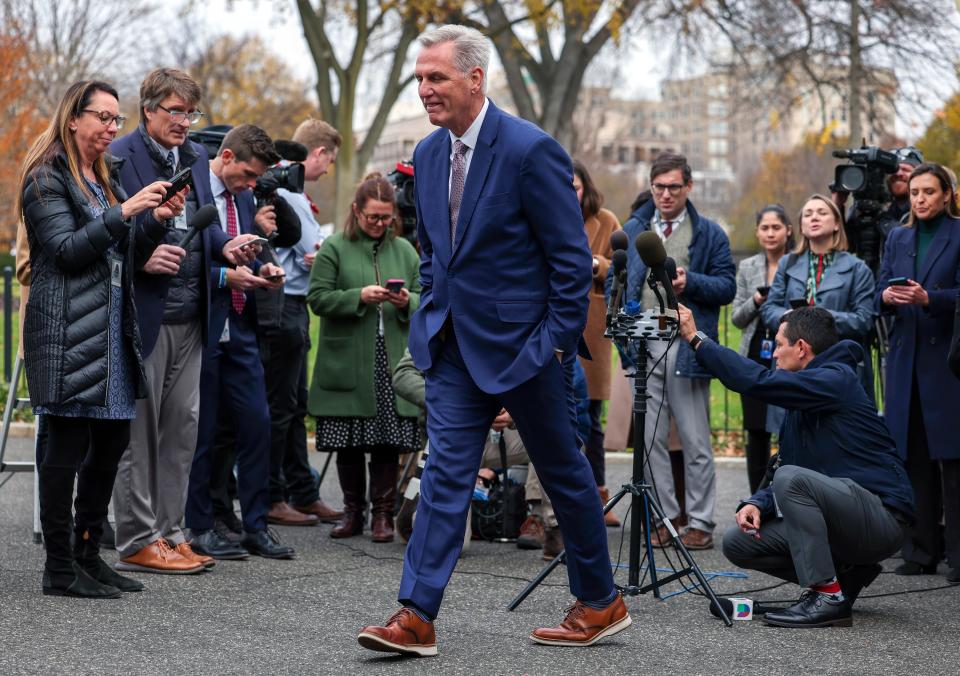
919	280
365	321
81	339
839	501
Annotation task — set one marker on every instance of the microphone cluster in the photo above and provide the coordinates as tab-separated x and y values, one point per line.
663	270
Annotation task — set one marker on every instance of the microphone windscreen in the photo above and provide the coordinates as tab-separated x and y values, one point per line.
670	266
619	241
650	248
619	260
205	216
291	150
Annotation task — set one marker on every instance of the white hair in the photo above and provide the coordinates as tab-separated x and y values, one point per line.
470	48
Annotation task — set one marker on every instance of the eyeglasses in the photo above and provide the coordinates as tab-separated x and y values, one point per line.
673	188
378	218
107	117
191	117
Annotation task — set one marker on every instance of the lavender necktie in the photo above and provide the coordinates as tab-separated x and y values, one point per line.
457	180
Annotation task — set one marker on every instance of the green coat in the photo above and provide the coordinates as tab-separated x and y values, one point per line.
343	374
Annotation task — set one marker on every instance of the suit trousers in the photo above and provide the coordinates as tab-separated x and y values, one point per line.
284	353
687	401
232	378
151	486
459	415
826	523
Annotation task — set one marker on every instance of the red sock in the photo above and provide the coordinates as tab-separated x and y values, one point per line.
831	587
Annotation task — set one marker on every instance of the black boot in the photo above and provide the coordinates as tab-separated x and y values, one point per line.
383	498
62	576
352	483
94	489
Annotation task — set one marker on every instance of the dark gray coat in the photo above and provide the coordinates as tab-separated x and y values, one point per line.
65	329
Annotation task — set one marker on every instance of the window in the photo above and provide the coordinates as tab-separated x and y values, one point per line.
717	109
718	128
717	146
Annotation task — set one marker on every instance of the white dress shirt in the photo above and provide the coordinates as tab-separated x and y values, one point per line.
469	139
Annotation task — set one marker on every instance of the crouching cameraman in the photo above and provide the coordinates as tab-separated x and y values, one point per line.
840	498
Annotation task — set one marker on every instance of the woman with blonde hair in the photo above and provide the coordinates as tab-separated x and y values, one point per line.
81	339
364	285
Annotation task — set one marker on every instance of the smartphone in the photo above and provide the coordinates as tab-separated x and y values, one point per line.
394	285
899	281
798	303
763	290
258	240
273	278
179	181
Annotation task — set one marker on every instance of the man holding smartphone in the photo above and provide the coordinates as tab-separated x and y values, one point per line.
173	308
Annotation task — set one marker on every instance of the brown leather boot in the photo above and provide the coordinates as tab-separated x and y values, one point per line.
383	498
610	519
353	484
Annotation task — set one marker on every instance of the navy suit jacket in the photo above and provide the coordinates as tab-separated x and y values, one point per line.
150	290
516	281
920	337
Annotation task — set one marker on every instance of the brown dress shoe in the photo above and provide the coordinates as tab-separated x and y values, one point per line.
283	514
532	533
186	551
585	626
695	538
552	543
610	519
157	557
321	510
661	536
404	633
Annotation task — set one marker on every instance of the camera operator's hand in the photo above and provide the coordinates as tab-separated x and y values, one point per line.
688	327
273	274
680	283
400	299
173	207
149	197
266	219
238	254
911	293
308	258
748	518
243	279
502	421
165	260
373	294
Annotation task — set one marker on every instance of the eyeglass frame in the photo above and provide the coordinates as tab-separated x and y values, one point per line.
118	120
378	218
673	188
185	115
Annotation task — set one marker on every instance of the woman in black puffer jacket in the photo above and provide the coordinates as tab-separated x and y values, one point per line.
81	341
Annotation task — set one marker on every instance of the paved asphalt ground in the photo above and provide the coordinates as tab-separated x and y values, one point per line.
302	616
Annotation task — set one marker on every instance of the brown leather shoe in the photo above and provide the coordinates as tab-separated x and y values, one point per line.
404	633
552	543
283	514
695	538
585	626
186	551
610	519
157	557
321	510
661	537
532	533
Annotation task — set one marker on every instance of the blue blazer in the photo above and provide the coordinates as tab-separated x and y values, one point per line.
516	282
150	291
920	338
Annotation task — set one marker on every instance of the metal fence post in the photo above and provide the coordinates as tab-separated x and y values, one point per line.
7	321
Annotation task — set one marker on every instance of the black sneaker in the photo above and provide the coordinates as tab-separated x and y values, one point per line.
213	543
813	610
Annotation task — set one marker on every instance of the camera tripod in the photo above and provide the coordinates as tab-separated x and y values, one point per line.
645	509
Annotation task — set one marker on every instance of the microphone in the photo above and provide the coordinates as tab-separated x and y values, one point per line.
670	266
205	216
654	256
619	241
743	609
619	262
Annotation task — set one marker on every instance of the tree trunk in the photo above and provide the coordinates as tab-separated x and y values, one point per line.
855	76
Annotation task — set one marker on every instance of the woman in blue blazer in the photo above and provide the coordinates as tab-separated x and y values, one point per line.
919	282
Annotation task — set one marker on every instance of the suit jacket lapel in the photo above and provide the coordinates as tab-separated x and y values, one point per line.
480	163
142	164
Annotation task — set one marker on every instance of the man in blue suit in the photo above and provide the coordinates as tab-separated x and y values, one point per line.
505	270
232	373
173	309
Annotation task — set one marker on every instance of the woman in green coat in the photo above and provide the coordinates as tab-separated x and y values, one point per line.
365	319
